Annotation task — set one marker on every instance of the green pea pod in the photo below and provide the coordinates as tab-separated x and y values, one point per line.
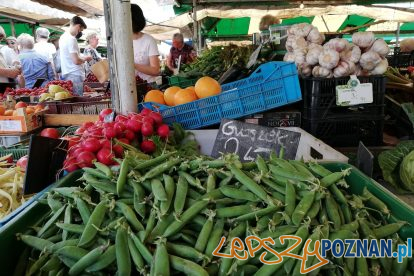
52	264
130	216
261	165
94	222
388	230
106	259
180	195
238	194
123	259
333	178
249	183
187	252
38	264
366	230
86	260
314	209
303	207
290	199
71	228
318	169
353	226
375	202
139	198
195	182
35	242
122	177
187	267
342	235
150	223
159	229
96	173
338	195
143	250
313	237
362	267
161	264
160	169
67	219
53	203
205	232
51	221
83	209
211	182
303	233
104	169
136	256
235	211
170	190
257	213
214	238
332	211
74	253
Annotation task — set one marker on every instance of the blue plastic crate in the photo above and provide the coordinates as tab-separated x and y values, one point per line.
272	85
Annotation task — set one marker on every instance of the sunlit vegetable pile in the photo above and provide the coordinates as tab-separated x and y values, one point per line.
166	216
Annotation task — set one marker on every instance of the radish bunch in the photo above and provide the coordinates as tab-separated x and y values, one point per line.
97	140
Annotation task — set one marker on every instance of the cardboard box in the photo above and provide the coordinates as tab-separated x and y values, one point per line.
22	123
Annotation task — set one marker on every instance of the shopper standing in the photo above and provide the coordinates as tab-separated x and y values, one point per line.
93	41
42	46
10	52
180	53
70	57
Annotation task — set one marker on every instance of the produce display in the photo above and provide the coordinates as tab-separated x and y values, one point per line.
166	215
28	109
65	86
215	61
174	95
337	57
91	78
396	80
11	185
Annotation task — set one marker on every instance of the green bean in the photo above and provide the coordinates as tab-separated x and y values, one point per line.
143	250
35	242
185	218
290	199
332	211
258	213
106	259
160	169
180	195
51	221
94	222
303	207
248	182
187	267
214	238
130	216
161	260
87	260
122	177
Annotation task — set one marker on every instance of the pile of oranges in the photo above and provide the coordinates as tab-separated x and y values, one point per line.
174	95
30	109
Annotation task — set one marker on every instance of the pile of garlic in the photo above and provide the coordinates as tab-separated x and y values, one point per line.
337	57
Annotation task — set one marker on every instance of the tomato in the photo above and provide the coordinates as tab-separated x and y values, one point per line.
22	162
50	132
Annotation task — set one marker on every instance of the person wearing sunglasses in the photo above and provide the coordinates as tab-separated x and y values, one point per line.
10	52
7	73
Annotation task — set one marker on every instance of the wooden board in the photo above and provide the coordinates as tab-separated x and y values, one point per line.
53	120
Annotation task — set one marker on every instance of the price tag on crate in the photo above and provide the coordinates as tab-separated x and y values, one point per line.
250	140
354	93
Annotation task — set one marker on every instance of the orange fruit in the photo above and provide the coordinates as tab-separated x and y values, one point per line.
206	87
184	96
8	112
2	110
192	88
155	96
15	113
169	94
20	104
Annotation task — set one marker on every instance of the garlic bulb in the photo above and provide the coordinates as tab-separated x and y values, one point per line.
300	56
369	60
352	54
363	39
407	45
361	72
315	36
321	72
305	70
301	29
337	44
380	47
295	42
344	69
329	58
289	57
312	57
381	68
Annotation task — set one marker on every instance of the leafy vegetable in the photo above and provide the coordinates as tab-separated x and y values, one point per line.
407	172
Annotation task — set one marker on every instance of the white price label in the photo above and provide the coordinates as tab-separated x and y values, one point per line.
11	125
354	93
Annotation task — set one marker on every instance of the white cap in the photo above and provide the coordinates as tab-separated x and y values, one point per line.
42	32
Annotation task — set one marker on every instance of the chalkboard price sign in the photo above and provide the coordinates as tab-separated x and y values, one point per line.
250	140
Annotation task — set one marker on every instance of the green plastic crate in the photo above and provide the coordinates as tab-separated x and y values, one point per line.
181	81
17	153
399	209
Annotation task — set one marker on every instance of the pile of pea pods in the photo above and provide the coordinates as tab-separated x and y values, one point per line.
167	215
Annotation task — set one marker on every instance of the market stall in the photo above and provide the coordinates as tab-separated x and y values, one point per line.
245	163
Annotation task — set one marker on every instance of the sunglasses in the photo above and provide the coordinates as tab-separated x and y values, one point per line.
12	42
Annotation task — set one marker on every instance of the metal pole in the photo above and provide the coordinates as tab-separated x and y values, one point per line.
397	36
195	27
13	29
121	56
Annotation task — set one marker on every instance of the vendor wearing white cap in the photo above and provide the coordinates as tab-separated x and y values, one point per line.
42	46
10	52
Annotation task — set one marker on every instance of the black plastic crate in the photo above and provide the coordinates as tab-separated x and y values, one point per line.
319	97
347	131
399	59
276	119
401	121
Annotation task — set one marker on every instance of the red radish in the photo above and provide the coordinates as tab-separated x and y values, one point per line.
124	140
91	145
129	134
105	143
70	165
87	125
72	140
96	132
105	156
157	118
145	111
134	125
163	131
121	119
85	159
119	128
148	146
109	132
108	124
80	131
118	150
22	162
105	112
50	133
147	129
149	120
